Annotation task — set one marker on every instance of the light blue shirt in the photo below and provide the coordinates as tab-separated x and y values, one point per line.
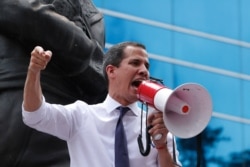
90	131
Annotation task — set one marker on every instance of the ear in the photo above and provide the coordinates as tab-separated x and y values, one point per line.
110	69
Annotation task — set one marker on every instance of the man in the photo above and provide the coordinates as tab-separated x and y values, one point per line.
90	130
74	31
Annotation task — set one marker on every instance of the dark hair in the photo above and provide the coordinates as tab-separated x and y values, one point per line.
115	55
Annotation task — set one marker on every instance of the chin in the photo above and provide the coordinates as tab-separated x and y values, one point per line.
134	98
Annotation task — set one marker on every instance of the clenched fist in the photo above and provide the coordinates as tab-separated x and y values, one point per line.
39	59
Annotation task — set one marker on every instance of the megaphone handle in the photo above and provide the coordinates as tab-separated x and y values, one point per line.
148	143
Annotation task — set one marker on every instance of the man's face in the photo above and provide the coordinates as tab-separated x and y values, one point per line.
127	77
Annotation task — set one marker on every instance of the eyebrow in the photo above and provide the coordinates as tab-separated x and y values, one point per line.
140	60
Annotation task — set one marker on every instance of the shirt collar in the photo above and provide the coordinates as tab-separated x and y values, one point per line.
110	104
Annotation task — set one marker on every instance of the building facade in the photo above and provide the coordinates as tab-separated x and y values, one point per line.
201	41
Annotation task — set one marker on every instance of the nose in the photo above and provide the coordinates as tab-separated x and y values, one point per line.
144	71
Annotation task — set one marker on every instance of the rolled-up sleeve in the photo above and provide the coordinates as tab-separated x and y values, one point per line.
33	118
55	119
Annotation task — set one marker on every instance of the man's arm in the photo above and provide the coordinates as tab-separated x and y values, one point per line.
164	157
32	96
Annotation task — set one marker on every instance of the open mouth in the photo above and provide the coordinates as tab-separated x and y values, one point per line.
136	83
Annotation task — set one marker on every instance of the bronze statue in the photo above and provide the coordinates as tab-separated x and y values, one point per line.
74	31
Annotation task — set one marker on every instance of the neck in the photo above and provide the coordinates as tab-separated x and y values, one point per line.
120	99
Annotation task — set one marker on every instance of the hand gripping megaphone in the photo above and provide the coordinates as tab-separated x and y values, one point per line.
186	109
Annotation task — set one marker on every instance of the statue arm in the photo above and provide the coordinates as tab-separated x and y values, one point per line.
39	24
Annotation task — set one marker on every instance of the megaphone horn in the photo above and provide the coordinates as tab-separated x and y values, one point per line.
186	110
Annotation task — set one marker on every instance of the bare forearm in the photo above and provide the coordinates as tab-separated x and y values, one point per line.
32	97
164	158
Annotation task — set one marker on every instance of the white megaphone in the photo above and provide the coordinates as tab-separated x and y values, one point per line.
186	110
